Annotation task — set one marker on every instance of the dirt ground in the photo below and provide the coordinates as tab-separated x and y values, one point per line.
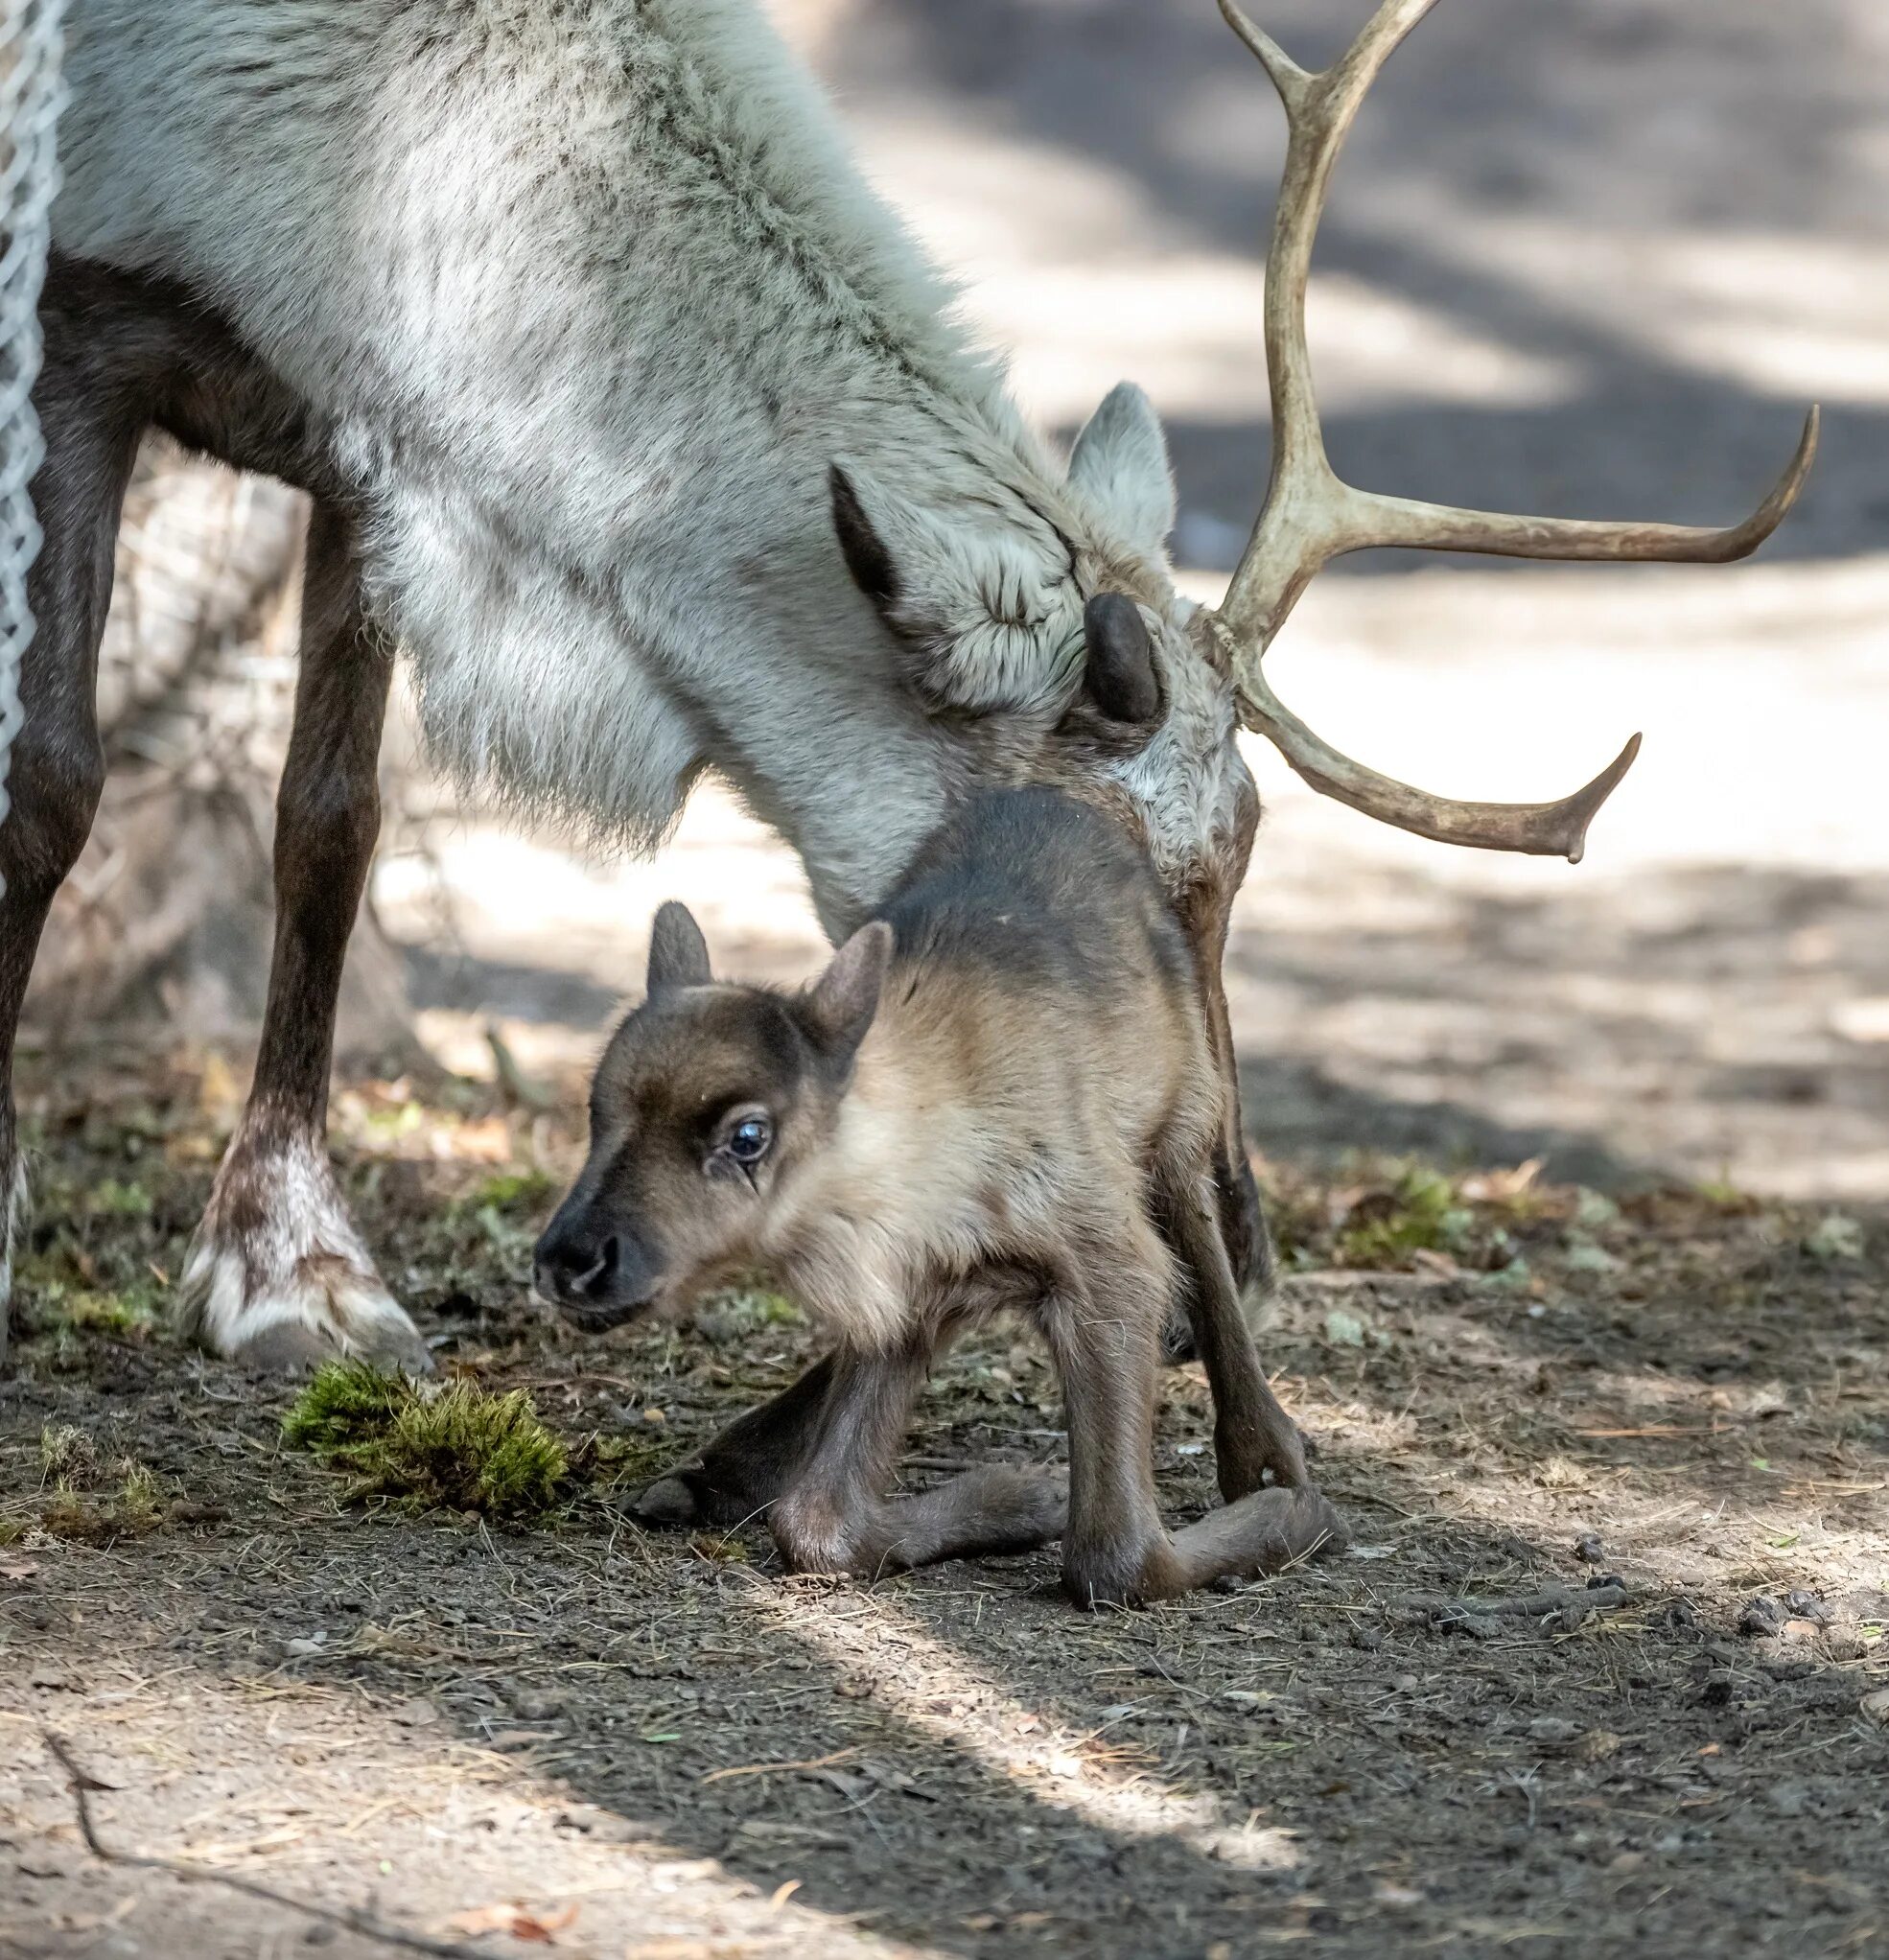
622	1744
1593	261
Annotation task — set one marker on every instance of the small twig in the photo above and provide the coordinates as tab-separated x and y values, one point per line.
349	1921
813	1762
1521	1606
516	1086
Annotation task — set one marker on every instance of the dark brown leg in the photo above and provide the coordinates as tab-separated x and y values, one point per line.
1251	1433
836	1517
746	1466
278	1275
93	398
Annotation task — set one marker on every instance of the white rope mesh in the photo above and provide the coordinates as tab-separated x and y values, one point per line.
31	98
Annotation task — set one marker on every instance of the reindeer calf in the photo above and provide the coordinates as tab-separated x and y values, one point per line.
1000	1093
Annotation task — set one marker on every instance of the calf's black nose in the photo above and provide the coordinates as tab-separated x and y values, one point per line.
573	1268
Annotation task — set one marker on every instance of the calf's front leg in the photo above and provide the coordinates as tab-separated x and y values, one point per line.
277	1275
836	1517
746	1466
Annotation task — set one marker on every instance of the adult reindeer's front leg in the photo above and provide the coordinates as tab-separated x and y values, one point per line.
93	398
278	1275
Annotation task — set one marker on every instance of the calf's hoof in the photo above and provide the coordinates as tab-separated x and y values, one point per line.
688	1497
668	1504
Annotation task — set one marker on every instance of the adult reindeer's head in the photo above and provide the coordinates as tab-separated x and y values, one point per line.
1072	606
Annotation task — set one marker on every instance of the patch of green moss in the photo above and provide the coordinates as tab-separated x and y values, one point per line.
345	1404
504	1190
111	1198
1419	1213
129	1511
611	1462
456	1447
130	1316
67	1454
740	1312
91	1504
719	1548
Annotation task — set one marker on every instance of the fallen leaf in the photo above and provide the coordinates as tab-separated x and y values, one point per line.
1875	1706
1499	1188
511	1918
542	1932
1597	1745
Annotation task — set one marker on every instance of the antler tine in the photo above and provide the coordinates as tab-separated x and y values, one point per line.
1288	77
1310	515
1305	497
1400	521
1535	829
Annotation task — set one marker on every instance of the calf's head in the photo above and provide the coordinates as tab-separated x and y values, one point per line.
709	1098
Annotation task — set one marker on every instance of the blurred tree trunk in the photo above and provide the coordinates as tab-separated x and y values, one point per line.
164	927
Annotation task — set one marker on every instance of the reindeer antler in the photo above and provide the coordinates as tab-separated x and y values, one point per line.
1312	515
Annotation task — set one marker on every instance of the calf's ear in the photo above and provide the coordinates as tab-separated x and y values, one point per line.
840	1005
678	953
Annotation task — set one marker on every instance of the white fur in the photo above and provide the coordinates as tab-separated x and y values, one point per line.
587	297
300	1281
18	1206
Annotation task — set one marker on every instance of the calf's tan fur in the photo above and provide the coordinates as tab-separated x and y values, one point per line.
1000	1095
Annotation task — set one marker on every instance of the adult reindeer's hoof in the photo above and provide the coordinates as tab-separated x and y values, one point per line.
278	1278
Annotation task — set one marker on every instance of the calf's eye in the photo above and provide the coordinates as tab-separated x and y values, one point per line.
749	1140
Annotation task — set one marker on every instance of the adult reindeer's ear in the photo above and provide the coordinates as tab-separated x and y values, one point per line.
868	556
678	953
843	1001
1120	463
978	597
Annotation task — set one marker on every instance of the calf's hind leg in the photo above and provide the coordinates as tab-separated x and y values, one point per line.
278	1275
1104	1332
1253	1433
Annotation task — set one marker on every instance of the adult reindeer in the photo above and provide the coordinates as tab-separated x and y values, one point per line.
636	420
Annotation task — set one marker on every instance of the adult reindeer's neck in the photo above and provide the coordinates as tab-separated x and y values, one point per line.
588	298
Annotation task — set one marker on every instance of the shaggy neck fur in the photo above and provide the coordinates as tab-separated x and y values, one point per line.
589	299
906	1187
